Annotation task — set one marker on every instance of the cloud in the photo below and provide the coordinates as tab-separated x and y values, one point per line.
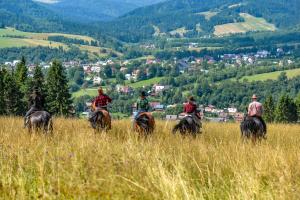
47	1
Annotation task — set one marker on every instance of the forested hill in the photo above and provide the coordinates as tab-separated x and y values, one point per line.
94	10
200	17
30	16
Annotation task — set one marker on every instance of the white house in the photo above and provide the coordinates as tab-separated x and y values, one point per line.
97	80
128	76
158	88
232	110
15	62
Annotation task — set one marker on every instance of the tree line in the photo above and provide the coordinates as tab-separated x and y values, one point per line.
16	86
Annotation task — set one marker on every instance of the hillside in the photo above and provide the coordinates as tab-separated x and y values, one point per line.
201	17
10	37
93	10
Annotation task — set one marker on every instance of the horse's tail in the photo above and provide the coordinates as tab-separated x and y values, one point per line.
176	128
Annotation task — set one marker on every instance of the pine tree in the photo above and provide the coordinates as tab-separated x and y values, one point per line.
38	80
21	72
298	105
22	81
2	102
286	111
58	96
269	109
12	96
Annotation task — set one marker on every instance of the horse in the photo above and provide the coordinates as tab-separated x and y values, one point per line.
190	124
253	127
102	121
40	120
144	123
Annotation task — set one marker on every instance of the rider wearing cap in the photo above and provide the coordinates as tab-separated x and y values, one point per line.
255	109
36	103
142	104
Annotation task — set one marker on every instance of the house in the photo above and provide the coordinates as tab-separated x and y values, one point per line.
158	88
232	110
124	89
8	64
97	80
96	69
209	108
171	117
128	76
15	62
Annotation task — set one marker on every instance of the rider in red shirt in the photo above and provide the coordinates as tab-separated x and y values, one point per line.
101	101
191	106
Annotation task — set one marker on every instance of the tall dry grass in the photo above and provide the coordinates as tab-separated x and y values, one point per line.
75	163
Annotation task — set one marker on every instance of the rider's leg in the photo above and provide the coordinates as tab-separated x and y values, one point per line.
30	111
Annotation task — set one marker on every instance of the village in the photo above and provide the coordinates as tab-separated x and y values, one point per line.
93	74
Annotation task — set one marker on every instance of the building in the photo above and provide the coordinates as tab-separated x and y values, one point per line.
97	80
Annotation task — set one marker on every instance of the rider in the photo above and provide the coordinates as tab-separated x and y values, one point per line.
36	103
99	103
191	106
142	104
255	109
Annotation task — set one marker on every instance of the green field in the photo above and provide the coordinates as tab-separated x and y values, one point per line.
89	91
251	24
10	37
145	83
272	76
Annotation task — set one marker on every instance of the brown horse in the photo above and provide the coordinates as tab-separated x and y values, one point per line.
102	121
144	123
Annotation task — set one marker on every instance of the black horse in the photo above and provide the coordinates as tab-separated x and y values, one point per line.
254	128
40	120
190	124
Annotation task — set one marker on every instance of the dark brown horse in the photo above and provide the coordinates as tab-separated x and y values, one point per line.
144	123
190	124
40	121
102	121
253	128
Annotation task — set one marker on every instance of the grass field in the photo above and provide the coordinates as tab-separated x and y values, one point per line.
75	163
272	76
145	83
89	91
208	14
9	38
251	24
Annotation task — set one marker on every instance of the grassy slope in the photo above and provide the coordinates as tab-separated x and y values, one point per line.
76	163
145	83
272	76
41	39
251	24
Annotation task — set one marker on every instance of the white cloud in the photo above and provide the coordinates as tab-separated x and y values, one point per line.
47	1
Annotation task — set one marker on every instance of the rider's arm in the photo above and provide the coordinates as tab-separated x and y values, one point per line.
249	109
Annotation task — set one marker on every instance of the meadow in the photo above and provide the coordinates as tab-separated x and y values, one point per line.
251	23
10	37
292	73
76	163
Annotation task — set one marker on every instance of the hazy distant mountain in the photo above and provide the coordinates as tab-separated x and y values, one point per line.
94	10
200	17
